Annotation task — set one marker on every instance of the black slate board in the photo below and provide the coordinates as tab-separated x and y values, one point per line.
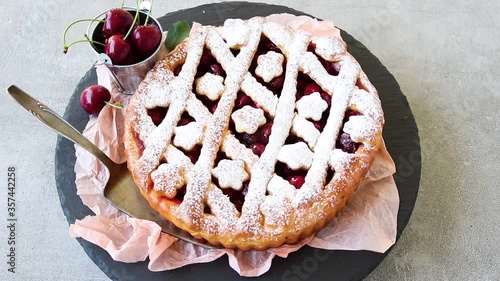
400	134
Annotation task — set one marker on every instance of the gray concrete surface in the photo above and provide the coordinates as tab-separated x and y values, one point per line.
445	55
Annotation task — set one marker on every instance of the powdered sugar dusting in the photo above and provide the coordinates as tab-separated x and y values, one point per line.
361	129
260	94
236	150
235	32
271	201
168	178
248	119
231	173
280	187
189	135
367	103
296	156
269	65
210	85
329	48
340	160
311	106
305	130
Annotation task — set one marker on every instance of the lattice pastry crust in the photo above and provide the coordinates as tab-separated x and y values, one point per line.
226	192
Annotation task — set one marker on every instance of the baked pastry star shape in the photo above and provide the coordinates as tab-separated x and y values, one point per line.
231	173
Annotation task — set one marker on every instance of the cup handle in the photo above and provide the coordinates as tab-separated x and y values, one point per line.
105	60
145	6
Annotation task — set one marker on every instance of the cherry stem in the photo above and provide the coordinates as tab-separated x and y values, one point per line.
123	3
149	13
115	105
133	23
65	50
73	23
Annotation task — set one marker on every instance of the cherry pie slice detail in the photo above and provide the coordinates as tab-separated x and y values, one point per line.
252	135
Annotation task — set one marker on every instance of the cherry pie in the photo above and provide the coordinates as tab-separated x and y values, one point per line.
252	135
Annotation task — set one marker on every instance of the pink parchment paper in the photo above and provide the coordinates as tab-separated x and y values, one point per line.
368	222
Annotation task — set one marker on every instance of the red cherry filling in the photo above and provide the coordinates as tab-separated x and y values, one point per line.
185	119
177	70
333	68
296	181
193	154
206	58
264	133
139	142
157	114
216	69
237	197
294	177
326	97
208	64
350	113
241	100
312	88
257	148
268	45
346	143
276	84
257	141
291	139
311	48
179	197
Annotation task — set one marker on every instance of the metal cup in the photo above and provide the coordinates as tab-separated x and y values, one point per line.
126	77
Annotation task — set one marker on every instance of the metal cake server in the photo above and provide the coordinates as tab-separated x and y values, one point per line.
121	190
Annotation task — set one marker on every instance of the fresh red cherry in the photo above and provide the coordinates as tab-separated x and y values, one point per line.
117	21
146	39
296	181
118	49
133	58
312	88
94	98
258	148
265	132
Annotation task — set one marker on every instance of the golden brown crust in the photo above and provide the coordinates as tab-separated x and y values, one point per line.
308	217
